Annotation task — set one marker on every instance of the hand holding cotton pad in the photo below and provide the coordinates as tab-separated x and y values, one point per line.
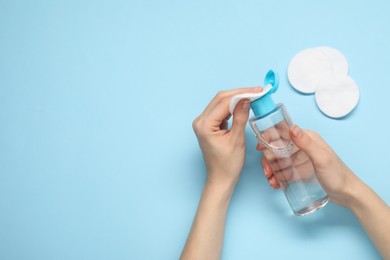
324	71
251	96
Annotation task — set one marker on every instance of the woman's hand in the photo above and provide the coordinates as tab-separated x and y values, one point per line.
335	177
342	186
223	149
224	154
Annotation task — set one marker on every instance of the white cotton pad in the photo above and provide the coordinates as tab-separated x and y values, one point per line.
251	96
336	95
339	62
305	68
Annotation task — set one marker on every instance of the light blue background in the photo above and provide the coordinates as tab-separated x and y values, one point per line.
98	159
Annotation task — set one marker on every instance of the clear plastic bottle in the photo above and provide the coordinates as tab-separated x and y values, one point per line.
292	167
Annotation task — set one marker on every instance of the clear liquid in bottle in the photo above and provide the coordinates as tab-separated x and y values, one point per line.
291	166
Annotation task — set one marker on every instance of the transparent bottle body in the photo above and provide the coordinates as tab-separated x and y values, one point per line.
291	166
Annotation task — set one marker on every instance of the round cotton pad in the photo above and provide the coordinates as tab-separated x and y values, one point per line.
339	62
305	67
336	95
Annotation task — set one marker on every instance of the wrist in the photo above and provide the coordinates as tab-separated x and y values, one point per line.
222	189
358	193
220	181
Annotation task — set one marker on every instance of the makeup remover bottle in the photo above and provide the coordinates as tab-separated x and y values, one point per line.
291	166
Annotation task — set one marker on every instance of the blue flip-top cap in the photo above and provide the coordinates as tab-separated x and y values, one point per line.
265	104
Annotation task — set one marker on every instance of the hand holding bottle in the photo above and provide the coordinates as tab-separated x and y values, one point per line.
342	185
335	177
224	154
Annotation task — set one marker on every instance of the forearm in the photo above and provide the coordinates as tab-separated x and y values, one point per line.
374	216
206	236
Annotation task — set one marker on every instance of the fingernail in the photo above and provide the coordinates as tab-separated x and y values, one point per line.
246	105
296	131
265	171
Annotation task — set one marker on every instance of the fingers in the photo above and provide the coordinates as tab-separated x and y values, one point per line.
273	182
228	94
218	113
260	147
218	109
240	117
313	148
267	168
221	110
311	144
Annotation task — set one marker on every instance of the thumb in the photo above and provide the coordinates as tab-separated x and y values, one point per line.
240	117
306	143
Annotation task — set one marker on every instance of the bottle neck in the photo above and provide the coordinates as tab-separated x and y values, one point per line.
263	106
271	119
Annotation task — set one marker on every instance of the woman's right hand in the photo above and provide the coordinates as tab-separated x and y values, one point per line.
335	177
343	187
